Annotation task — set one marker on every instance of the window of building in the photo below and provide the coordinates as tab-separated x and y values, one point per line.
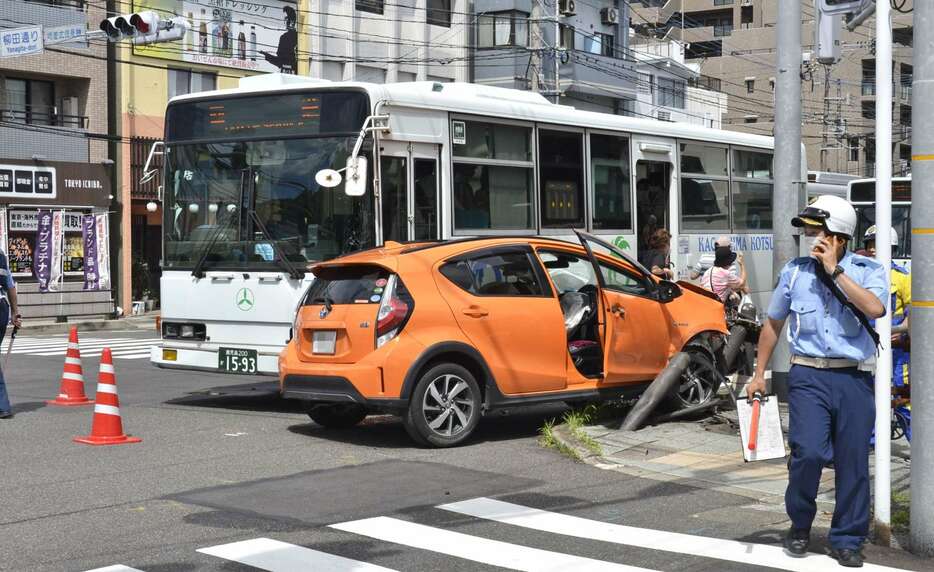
599	44
722	26
493	178
610	173
439	13
751	194
869	109
79	4
745	17
904	152
853	148
561	169
503	29
506	273
27	101
646	82
568	39
751	85
670	92
373	6
722	2
705	188
182	82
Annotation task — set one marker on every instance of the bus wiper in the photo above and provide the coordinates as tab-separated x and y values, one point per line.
198	270
294	273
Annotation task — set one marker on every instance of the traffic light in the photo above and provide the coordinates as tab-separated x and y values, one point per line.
144	27
830	7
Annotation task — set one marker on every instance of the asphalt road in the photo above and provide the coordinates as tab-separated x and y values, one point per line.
228	468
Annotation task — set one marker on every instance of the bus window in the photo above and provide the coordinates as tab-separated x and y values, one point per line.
561	168
752	191
496	194
612	197
704	188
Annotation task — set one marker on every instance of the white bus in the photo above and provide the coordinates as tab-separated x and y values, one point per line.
250	197
862	195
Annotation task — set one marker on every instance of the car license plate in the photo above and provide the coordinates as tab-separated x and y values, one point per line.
235	360
323	341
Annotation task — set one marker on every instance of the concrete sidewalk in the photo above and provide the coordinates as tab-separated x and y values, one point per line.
145	321
707	454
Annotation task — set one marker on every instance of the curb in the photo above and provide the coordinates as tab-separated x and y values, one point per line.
90	326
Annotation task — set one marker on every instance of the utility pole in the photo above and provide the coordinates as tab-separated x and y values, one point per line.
787	162
535	59
557	51
922	281
883	386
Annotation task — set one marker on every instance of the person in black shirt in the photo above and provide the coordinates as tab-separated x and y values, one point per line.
658	259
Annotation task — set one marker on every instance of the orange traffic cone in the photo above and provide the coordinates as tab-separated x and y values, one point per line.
71	391
107	428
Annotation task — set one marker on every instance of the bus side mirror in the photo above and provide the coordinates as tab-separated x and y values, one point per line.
355	176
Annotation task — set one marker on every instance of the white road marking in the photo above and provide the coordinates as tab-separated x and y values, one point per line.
276	556
474	548
708	547
115	568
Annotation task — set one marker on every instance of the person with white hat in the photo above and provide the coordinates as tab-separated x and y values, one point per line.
829	296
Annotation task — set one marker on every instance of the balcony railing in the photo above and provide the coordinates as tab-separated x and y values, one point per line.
35	115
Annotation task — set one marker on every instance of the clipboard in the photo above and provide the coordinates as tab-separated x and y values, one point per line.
770	442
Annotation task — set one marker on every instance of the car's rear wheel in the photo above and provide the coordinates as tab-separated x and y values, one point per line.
699	382
444	408
336	415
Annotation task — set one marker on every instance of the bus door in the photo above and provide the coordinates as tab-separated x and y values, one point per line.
655	179
409	185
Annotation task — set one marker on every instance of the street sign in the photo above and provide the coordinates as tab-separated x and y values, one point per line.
72	35
20	41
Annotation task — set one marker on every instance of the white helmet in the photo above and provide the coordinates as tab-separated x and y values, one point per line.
833	213
871	235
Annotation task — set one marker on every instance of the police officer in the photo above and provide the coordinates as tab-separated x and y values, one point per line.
830	295
8	307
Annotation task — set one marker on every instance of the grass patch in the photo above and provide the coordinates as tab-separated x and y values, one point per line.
576	419
550	441
901	511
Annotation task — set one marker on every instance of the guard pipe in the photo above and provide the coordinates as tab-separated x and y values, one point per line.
656	392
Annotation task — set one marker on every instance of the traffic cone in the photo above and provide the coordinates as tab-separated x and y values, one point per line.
107	428
71	391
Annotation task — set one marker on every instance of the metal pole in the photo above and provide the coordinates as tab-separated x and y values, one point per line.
787	162
883	481
557	50
922	282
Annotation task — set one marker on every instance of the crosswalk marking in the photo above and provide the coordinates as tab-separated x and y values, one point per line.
732	550
493	552
123	348
275	556
115	568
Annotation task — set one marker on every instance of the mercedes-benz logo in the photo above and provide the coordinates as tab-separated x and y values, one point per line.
245	300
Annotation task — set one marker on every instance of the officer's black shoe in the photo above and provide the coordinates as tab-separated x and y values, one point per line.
847	557
797	541
6	414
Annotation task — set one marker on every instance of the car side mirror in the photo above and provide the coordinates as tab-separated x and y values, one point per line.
667	291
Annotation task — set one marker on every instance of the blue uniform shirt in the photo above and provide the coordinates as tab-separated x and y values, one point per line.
820	326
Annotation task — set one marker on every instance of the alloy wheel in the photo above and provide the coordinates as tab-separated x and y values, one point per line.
448	405
697	383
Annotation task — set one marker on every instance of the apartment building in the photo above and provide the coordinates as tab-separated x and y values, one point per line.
54	155
734	43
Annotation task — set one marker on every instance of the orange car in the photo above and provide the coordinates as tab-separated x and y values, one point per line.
443	332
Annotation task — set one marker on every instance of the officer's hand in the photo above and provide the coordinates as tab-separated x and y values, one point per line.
826	252
757	385
17	320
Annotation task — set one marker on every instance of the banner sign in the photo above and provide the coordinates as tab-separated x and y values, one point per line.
254	35
58	233
20	41
27	182
89	237
4	236
29	220
102	237
71	36
42	267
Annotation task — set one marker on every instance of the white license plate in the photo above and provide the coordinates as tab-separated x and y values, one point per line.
323	341
235	360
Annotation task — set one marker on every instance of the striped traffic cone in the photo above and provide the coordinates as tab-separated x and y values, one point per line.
71	391
107	428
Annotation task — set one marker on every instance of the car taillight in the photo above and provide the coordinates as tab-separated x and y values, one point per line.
394	309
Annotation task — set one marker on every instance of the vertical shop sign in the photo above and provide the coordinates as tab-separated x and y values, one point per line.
102	234
4	236
42	267
58	237
89	238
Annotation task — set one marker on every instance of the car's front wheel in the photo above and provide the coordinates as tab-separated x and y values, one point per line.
699	382
336	415
444	407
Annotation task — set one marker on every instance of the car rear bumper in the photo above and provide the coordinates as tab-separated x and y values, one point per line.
333	389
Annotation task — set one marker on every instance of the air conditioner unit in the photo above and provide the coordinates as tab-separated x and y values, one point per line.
69	106
609	15
567	7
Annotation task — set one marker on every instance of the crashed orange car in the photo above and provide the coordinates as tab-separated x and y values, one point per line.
442	333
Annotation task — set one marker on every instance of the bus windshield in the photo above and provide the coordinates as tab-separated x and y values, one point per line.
901	222
246	202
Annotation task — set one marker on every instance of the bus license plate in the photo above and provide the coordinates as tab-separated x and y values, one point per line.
235	360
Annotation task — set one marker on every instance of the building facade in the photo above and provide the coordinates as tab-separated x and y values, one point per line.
734	43
54	153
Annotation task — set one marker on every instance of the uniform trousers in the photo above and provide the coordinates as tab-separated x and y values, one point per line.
831	417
